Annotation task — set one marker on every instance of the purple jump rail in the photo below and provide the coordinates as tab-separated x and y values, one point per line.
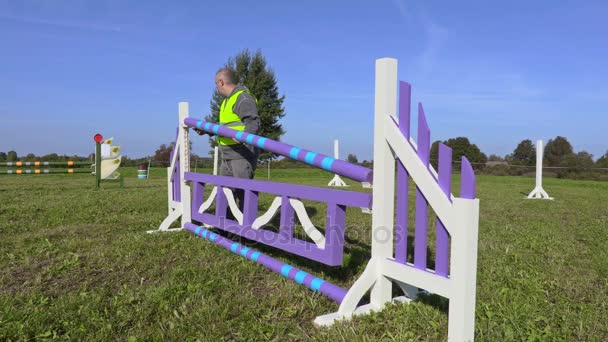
339	167
336	201
325	288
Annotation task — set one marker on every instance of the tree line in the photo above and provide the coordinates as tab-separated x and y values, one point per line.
12	156
559	159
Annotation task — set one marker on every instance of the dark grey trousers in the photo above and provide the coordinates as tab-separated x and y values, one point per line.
239	168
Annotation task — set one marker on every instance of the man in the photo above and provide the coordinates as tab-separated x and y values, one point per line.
238	111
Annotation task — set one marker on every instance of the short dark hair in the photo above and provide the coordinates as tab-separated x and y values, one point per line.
228	75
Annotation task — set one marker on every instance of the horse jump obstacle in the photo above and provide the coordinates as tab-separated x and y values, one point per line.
34	167
106	163
395	154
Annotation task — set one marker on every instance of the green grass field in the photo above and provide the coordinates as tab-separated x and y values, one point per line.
76	263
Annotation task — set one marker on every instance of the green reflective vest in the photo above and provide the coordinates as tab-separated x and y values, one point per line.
229	118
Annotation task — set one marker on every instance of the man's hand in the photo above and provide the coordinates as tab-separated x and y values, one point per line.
236	141
199	131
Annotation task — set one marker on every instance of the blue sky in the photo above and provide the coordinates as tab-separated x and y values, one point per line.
496	72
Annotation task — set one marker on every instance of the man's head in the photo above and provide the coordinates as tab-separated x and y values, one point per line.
225	81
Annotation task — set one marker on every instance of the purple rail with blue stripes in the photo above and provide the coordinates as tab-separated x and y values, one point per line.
325	288
340	167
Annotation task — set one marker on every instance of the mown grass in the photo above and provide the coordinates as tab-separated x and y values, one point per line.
76	263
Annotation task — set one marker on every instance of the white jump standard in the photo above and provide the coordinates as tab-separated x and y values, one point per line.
538	191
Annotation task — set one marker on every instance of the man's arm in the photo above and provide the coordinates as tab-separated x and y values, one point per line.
247	110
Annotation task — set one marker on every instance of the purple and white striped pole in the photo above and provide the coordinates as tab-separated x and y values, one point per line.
326	288
339	167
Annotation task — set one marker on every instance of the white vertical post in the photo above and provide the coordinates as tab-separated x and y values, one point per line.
463	270
383	206
184	162
336	181
336	153
539	163
182	152
538	191
170	207
215	159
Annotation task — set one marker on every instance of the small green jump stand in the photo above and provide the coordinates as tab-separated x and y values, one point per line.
107	164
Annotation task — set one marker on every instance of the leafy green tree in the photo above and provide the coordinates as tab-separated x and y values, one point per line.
352	158
162	155
126	161
12	156
524	153
555	150
50	157
581	160
30	157
575	164
461	146
602	161
496	158
3	156
252	71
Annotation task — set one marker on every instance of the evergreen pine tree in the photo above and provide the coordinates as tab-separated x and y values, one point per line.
252	71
